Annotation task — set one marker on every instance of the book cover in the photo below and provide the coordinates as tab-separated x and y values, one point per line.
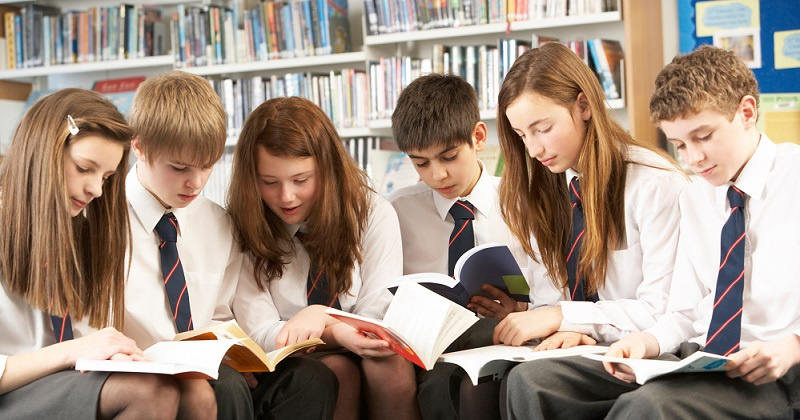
418	325
647	369
491	362
490	263
339	24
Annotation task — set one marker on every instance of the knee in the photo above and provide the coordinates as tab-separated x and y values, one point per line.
315	378
400	370
346	374
156	396
640	404
199	401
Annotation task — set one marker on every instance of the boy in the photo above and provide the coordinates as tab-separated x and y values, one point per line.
437	123
734	287
180	133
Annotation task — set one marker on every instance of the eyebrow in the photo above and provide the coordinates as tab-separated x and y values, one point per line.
437	155
533	124
306	173
692	133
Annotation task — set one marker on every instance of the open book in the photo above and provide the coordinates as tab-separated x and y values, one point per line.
198	354
490	263
419	324
491	362
647	369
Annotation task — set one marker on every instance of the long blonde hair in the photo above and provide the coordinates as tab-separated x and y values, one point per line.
535	202
56	262
295	127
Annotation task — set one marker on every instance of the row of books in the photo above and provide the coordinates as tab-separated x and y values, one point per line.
216	188
393	16
267	30
38	35
340	94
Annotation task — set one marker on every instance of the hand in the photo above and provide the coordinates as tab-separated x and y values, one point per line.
308	323
565	340
107	343
519	327
355	341
499	308
763	362
635	346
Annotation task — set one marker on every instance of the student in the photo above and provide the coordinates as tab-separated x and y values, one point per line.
737	262
316	235
180	134
63	240
437	123
601	207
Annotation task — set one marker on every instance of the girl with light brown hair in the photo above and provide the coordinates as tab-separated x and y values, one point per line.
595	210
63	240
317	236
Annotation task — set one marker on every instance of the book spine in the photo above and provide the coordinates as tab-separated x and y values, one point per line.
11	39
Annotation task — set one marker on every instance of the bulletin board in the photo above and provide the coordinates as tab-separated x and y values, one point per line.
766	35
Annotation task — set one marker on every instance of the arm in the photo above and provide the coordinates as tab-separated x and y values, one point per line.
763	362
255	310
104	344
227	290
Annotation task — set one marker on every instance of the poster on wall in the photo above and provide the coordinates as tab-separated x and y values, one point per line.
787	49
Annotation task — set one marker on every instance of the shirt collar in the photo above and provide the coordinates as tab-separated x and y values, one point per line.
753	177
480	196
146	206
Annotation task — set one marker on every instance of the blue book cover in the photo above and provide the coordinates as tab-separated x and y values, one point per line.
339	26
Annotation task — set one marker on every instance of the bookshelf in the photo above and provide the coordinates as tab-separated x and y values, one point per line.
627	23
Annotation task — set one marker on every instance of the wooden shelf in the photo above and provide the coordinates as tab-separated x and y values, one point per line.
297	63
98	66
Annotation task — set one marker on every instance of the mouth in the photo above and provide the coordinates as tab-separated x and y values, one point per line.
705	173
78	203
547	161
289	210
187	197
445	190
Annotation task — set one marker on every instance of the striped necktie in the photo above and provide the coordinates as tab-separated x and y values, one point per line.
317	286
725	329
574	277
171	267
462	239
62	327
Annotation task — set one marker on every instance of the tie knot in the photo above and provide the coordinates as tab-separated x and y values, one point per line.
575	191
167	228
736	197
463	210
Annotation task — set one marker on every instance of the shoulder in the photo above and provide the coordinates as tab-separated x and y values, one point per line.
418	191
381	214
651	176
787	158
203	211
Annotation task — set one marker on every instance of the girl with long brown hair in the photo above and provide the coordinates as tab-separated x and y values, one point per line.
594	209
63	240
317	236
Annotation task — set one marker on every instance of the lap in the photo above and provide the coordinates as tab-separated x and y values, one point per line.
67	394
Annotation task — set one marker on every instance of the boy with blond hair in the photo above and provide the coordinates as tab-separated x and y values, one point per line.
734	288
455	208
185	263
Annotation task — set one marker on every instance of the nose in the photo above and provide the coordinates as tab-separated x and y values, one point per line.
535	148
287	194
439	171
693	155
195	180
94	188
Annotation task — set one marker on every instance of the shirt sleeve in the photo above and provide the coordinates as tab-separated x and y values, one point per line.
255	310
382	250
3	359
223	310
648	259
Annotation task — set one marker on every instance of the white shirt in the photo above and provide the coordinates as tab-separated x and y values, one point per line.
771	179
426	224
23	328
210	257
263	314
637	275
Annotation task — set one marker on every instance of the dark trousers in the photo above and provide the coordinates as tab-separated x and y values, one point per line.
299	388
438	390
579	388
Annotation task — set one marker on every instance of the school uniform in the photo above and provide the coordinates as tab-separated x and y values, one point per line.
211	263
426	226
65	394
769	310
262	314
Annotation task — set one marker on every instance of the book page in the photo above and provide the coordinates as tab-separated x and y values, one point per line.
277	355
647	369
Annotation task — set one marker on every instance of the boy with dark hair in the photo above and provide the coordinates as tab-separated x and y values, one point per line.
455	208
734	287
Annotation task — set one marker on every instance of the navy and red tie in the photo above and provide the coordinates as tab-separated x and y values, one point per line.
318	290
574	277
725	329
462	239
171	267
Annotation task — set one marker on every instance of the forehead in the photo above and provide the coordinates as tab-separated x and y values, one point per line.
530	107
101	151
685	126
269	164
434	151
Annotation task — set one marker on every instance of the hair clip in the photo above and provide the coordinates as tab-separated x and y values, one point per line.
73	128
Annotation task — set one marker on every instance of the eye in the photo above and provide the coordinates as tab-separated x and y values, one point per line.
450	158
81	169
704	138
179	168
269	182
680	146
546	130
300	181
421	164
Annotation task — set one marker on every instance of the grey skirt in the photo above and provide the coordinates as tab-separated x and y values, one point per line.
67	394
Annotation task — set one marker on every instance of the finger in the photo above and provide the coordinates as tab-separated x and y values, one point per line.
495	292
610	368
280	341
630	378
587	341
498	331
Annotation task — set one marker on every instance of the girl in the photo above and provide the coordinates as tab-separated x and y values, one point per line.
294	193
62	252
601	207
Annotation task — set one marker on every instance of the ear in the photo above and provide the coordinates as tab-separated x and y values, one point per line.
582	106
136	147
749	110
479	133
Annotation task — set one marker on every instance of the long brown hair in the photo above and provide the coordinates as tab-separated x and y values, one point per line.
56	262
534	201
295	127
